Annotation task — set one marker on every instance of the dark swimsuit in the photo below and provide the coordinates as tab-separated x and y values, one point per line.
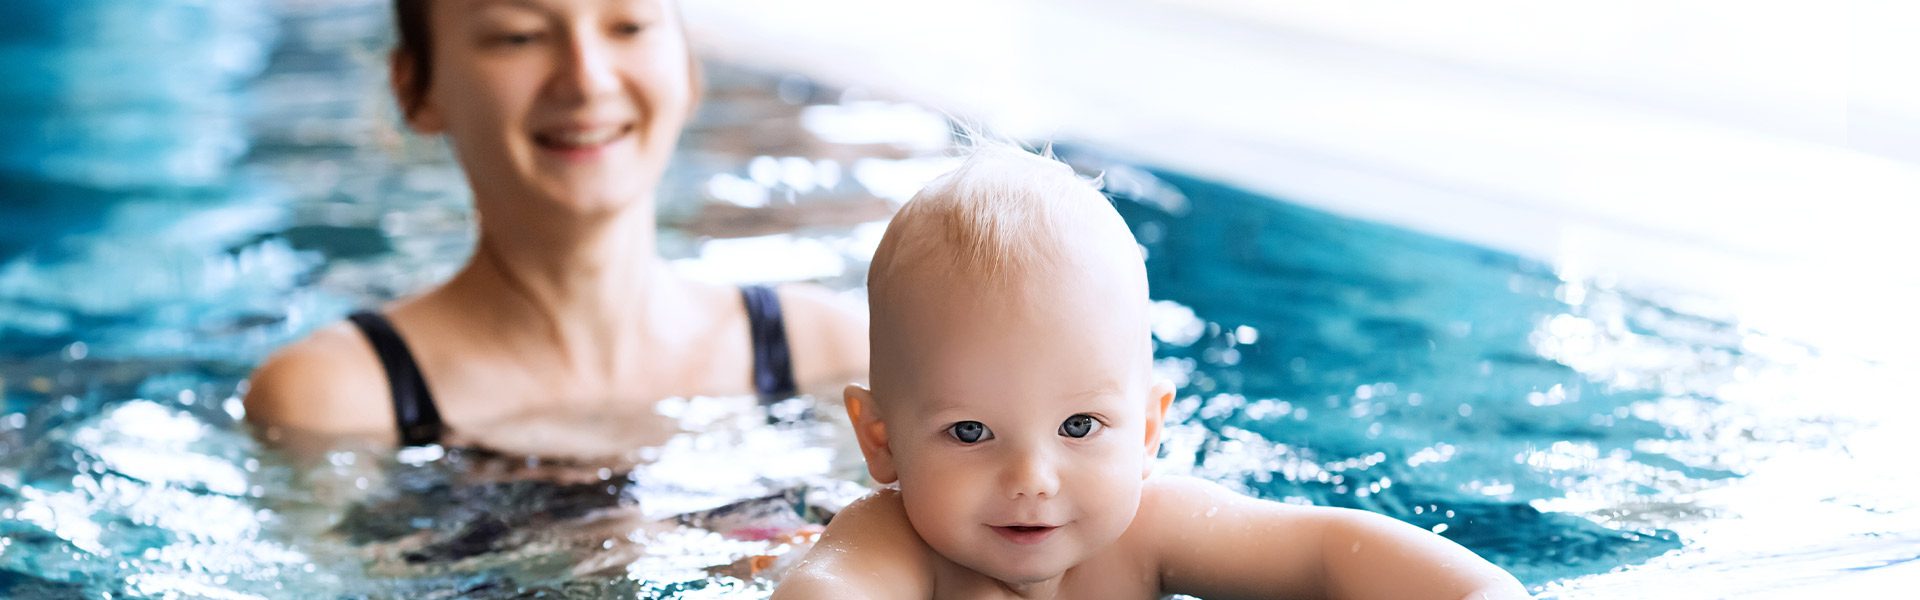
419	421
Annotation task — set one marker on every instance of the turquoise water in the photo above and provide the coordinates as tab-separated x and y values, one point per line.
201	182
1392	372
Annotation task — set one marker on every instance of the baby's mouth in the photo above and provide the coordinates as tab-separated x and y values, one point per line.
1025	534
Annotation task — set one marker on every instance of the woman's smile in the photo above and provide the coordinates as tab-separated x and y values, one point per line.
581	143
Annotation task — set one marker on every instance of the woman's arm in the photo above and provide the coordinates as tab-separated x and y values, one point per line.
1225	545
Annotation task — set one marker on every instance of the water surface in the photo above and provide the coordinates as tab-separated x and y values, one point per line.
207	181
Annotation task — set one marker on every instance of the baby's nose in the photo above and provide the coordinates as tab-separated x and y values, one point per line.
1031	475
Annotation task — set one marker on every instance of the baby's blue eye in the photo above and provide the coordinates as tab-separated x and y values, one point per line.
1078	426
970	432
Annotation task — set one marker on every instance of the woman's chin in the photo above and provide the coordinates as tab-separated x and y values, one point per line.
597	197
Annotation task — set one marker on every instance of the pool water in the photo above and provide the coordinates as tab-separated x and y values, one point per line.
161	234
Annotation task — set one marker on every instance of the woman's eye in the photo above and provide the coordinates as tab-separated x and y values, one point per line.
1078	426
970	432
627	30
514	39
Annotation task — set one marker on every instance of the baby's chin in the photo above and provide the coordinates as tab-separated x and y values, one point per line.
1023	573
1016	570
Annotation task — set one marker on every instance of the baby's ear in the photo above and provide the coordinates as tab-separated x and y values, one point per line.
872	433
1158	399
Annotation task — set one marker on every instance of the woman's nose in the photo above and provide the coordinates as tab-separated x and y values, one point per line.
1032	475
589	70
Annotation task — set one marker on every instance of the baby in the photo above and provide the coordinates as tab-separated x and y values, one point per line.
1013	400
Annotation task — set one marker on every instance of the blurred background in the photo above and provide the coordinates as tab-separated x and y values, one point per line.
1617	294
1757	151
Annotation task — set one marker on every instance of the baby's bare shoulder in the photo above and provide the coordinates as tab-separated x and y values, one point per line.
868	551
880	514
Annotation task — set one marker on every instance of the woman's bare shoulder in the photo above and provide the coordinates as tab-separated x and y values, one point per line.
330	382
828	334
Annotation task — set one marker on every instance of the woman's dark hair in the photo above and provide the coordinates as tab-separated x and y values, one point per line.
416	48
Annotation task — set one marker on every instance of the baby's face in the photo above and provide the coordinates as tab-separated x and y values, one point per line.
1021	425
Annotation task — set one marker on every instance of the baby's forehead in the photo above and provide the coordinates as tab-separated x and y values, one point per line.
1041	290
1076	331
1082	378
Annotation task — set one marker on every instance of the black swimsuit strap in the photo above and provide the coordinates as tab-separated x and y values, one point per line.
772	359
413	409
418	420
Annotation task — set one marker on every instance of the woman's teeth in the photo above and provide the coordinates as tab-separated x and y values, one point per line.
585	138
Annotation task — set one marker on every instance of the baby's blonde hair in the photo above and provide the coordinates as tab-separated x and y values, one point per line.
1009	227
1004	212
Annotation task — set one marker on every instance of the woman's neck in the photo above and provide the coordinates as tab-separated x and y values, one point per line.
586	286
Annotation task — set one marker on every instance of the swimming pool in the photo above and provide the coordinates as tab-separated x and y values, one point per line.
160	234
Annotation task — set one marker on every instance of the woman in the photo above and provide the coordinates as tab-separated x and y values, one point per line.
565	324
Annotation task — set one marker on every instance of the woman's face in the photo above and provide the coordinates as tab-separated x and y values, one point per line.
574	102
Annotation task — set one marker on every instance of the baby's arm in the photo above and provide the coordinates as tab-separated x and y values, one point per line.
1225	545
868	552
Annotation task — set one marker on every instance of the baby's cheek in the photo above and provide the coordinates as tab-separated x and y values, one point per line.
937	521
1128	458
932	495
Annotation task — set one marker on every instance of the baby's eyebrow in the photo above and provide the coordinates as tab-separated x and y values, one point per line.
1103	389
935	405
939	403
